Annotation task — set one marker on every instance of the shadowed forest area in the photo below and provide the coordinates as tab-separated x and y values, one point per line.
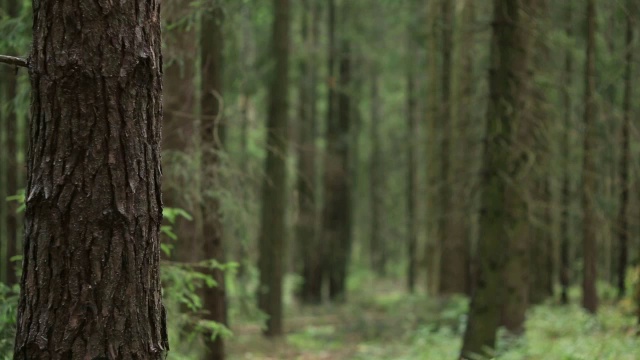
319	179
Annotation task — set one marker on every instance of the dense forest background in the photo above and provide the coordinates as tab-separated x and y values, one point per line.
393	179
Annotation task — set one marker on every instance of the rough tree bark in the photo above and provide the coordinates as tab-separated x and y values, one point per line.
499	167
214	298
274	196
90	284
589	243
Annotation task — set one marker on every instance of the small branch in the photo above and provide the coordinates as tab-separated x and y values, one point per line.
12	60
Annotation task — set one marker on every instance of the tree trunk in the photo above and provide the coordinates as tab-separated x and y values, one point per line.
90	284
214	299
309	245
454	263
565	244
338	214
589	227
377	245
540	218
179	143
274	196
506	78
412	191
623	215
12	169
434	208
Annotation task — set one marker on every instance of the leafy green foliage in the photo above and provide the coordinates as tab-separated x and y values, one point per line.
8	304
20	199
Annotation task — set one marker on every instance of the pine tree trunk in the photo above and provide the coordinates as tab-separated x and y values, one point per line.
274	196
308	242
12	170
434	208
412	130
506	83
337	203
90	284
214	298
376	246
454	263
339	197
623	215
565	241
179	143
590	256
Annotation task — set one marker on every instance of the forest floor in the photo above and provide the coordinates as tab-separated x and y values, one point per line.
383	322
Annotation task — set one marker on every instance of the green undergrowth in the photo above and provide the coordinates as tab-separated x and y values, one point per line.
386	323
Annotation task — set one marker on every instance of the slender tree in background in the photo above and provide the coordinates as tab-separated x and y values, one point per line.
179	141
211	45
308	241
90	284
454	264
589	244
565	241
12	171
539	199
499	167
337	206
466	125
434	206
377	244
274	196
338	190
623	214
412	130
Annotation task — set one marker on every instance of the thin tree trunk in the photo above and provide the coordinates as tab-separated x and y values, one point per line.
540	219
506	78
12	170
90	283
214	299
454	263
434	208
340	202
412	130
589	227
274	196
179	142
308	242
565	245
623	215
376	247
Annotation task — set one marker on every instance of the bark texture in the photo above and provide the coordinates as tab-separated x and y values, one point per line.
214	298
274	196
90	284
499	167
